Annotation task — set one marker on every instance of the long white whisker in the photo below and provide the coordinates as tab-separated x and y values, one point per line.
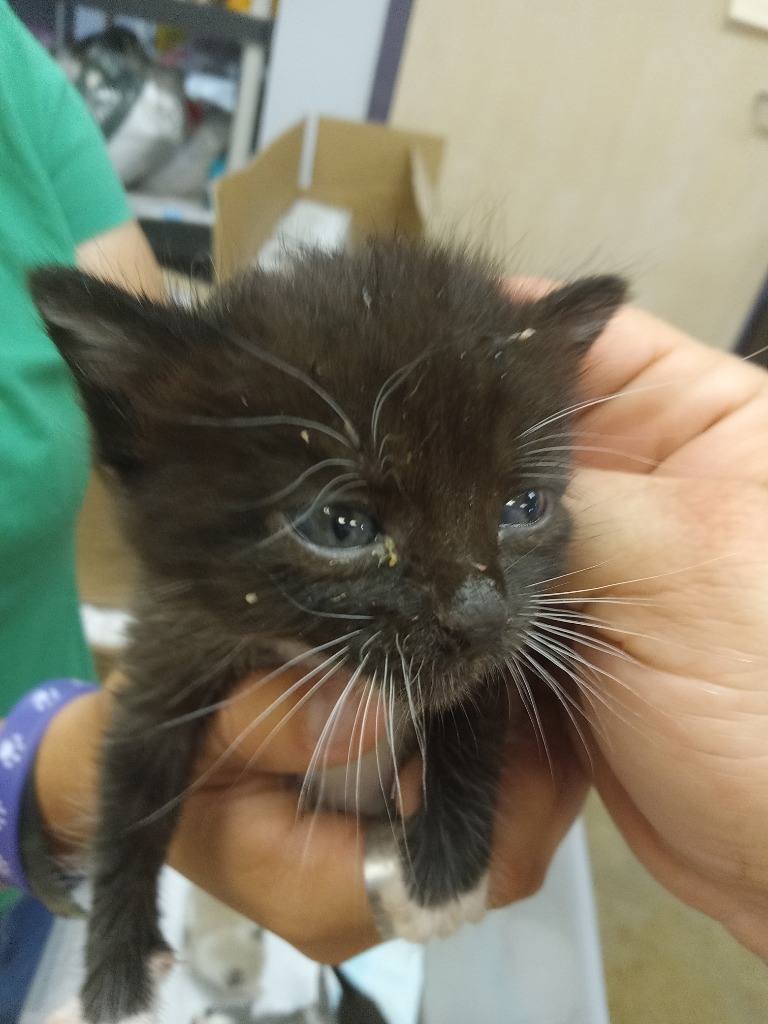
324	740
316	467
303	378
529	703
390	385
409	695
591	403
261	681
642	579
244	734
568	703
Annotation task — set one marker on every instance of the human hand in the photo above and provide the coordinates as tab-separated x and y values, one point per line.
671	571
242	838
241	835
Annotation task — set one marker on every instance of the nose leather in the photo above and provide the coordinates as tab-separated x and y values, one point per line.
476	613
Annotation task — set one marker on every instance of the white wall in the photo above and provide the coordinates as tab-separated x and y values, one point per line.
600	135
324	58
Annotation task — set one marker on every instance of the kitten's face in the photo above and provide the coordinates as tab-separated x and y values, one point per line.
364	455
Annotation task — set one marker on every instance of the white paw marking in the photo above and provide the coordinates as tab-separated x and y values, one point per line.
420	924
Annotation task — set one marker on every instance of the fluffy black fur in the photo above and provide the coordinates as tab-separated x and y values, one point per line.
400	385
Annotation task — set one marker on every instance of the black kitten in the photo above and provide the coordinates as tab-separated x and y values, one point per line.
362	454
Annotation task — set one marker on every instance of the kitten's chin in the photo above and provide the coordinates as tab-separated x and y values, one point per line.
427	691
442	690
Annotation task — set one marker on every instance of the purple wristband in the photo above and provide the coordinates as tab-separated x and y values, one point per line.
20	737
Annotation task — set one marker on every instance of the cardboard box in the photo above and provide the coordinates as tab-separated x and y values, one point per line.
386	178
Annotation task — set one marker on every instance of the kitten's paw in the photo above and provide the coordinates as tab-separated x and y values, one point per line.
398	914
410	920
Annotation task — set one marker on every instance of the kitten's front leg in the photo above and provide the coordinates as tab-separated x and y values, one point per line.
145	769
443	851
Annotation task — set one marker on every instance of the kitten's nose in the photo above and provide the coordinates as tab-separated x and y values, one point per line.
476	614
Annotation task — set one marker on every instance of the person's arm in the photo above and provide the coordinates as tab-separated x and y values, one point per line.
123	255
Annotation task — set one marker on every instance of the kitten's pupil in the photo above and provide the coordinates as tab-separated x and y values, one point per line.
337	526
524	509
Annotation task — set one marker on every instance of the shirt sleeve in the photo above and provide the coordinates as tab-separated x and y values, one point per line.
69	143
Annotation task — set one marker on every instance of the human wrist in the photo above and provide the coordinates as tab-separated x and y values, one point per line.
22	843
66	770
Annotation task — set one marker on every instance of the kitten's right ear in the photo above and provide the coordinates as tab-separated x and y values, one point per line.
119	347
580	311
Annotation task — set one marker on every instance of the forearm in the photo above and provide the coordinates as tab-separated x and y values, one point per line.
123	256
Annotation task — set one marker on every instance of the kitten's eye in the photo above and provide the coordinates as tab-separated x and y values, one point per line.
336	526
524	509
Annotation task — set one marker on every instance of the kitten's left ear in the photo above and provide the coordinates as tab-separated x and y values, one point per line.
580	311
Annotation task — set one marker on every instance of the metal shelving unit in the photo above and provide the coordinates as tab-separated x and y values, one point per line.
179	241
198	19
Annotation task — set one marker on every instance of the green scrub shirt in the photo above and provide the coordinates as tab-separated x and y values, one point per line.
57	189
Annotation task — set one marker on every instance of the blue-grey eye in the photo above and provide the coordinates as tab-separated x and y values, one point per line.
336	527
524	509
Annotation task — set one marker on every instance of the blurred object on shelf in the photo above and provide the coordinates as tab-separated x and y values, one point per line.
138	104
153	130
169	38
190	169
110	70
216	90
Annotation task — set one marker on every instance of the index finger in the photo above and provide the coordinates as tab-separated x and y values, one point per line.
662	401
652	398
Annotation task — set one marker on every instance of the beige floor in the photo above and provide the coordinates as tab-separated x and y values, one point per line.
664	964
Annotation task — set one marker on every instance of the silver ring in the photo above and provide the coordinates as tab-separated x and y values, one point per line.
382	873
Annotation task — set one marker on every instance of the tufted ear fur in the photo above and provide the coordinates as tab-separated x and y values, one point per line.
580	311
124	351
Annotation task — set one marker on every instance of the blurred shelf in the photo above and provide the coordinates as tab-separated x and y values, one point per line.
179	232
169	208
203	20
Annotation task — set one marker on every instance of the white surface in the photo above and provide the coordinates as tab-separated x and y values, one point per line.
306	223
537	962
104	627
751	12
323	61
